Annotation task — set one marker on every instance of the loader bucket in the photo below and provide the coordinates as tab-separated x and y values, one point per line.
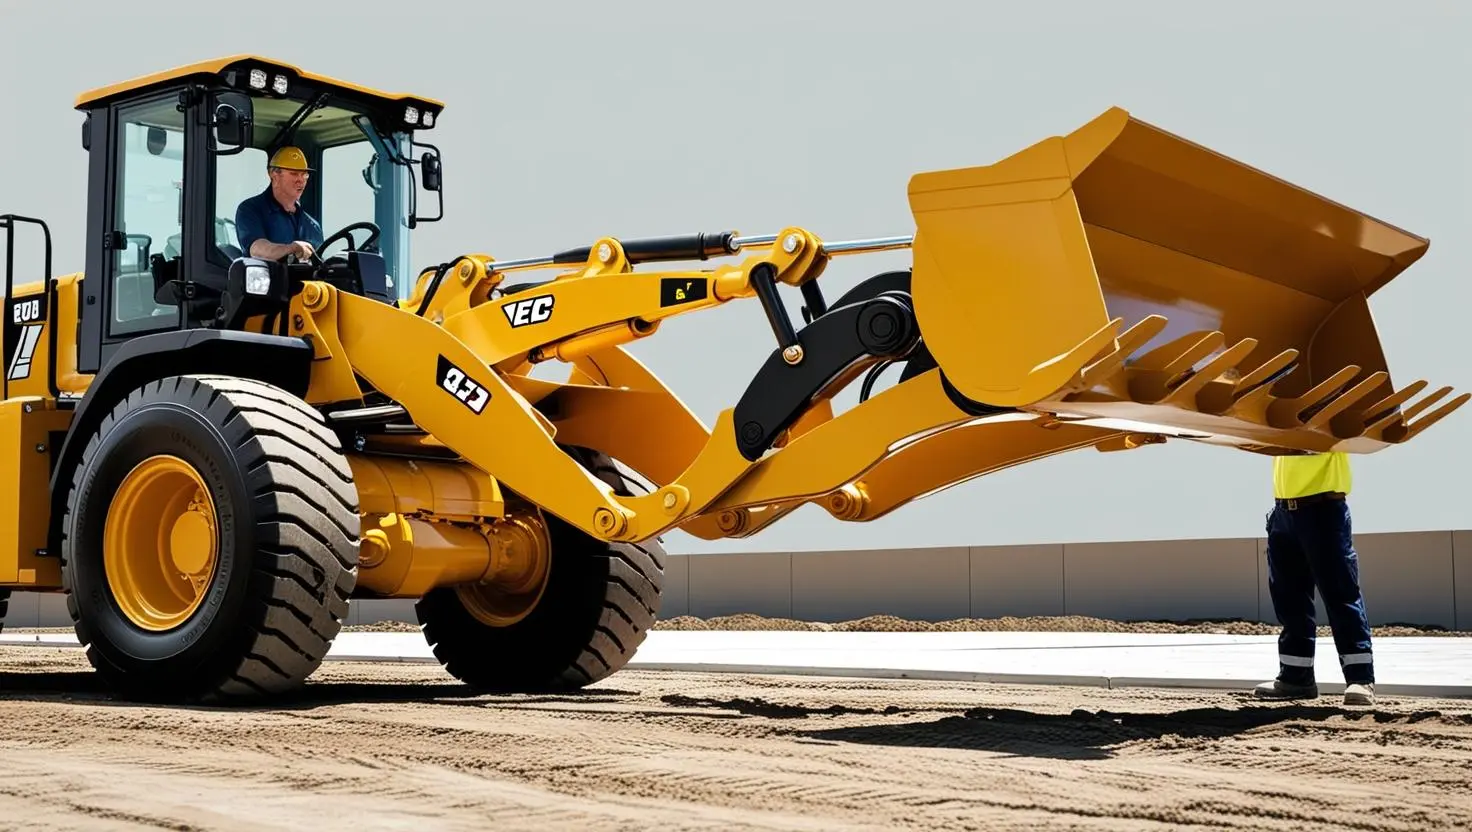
1139	256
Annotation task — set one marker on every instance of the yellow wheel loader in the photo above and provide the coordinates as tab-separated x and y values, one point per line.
217	447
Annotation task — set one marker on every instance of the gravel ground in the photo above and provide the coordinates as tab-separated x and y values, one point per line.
394	746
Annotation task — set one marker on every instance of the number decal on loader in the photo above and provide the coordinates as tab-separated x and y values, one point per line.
23	327
457	383
26	311
530	311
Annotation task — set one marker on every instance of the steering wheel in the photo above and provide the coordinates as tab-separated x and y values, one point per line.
346	233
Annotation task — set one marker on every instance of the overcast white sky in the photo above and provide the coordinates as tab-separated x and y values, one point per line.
575	119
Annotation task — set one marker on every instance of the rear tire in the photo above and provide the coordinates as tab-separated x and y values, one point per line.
4	607
598	605
273	581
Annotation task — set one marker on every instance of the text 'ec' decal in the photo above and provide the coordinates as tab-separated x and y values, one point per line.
530	311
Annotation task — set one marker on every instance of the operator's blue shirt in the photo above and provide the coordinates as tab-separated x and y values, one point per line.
262	216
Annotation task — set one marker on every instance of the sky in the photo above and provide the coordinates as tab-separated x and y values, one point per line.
570	120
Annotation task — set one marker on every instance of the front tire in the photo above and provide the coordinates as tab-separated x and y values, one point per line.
598	603
210	541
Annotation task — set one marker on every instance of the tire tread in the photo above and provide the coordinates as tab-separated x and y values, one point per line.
304	505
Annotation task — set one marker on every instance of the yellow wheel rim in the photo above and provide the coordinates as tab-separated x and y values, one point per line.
521	563
160	544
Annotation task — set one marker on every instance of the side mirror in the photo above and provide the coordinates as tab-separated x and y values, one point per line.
158	139
232	123
432	179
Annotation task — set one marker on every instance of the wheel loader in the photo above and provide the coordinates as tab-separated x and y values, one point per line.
211	454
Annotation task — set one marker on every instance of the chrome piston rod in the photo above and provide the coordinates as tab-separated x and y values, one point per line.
836	247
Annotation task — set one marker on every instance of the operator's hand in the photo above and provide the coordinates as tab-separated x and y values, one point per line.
302	250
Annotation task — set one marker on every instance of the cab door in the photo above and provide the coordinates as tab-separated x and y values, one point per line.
137	219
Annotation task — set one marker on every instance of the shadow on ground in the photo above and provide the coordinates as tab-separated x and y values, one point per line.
1094	735
1079	735
88	687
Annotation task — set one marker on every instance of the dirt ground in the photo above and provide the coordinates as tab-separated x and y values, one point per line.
384	746
1044	623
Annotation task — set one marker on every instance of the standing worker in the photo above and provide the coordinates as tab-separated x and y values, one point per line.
1310	544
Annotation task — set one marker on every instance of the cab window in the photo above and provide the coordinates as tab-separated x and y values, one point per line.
148	218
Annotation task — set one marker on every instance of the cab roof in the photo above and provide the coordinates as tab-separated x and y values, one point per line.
216	66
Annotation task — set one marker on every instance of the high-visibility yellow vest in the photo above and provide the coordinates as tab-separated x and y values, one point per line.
1301	476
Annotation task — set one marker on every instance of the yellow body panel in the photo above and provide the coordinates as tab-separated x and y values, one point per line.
215	65
29	425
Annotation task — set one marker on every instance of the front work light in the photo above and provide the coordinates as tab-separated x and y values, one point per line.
257	280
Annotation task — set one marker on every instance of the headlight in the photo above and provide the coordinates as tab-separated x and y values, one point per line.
279	85
411	115
257	280
428	119
258	78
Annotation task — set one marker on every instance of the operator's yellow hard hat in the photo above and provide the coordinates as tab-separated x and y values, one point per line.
289	158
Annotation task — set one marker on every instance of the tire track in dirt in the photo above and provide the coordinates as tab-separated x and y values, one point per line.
401	746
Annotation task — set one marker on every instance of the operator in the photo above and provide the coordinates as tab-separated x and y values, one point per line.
272	224
1310	545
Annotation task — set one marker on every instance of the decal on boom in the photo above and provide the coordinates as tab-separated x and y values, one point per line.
459	384
529	311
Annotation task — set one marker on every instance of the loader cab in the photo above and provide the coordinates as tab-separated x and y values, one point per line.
173	155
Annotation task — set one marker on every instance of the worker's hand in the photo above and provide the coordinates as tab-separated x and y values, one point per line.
303	250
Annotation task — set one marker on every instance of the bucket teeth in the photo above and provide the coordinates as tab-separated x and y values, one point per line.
1326	414
1412	428
1185	389
1267	373
1194	373
1391	419
1377	414
1179	355
1218	396
1126	344
1402	425
1288	413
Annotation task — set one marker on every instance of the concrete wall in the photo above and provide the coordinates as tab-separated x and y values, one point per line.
1422	578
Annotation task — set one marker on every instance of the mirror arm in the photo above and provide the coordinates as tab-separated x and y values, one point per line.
439	191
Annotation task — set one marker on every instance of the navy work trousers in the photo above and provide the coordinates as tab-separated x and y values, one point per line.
1310	544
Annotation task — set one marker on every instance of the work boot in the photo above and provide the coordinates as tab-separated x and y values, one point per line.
1360	693
1279	689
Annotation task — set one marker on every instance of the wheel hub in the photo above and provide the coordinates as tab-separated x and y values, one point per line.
160	543
521	554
